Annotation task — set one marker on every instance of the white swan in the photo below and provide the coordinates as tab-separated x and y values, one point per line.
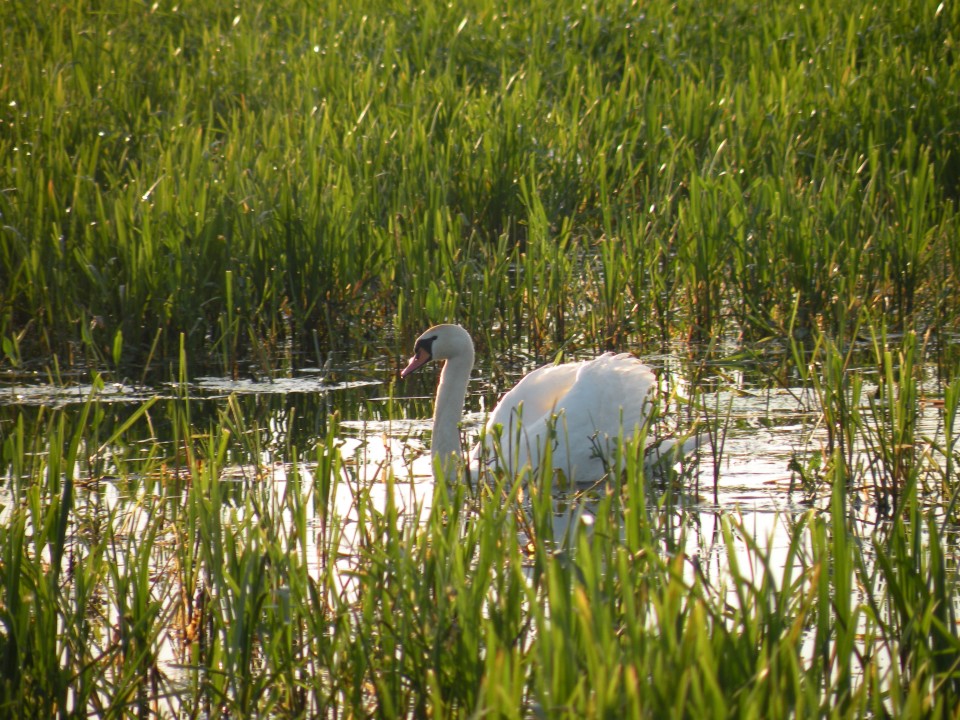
580	408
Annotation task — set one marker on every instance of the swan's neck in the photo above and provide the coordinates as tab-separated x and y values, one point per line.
448	409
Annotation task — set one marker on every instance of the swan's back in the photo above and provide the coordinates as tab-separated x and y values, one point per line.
610	392
538	392
580	408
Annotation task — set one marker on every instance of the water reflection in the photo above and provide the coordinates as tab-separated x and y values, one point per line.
279	427
757	429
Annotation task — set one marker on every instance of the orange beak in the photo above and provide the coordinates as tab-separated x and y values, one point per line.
421	358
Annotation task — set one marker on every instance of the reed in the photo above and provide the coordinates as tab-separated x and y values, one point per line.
259	178
262	184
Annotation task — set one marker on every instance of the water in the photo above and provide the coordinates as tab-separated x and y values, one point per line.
762	432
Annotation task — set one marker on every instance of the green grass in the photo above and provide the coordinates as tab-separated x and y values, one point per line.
266	183
288	173
249	589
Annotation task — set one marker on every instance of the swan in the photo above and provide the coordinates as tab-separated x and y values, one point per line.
578	407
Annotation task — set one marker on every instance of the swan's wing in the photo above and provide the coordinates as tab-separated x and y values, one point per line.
538	392
611	397
610	393
583	424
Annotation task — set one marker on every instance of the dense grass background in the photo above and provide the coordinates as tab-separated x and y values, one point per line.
270	174
271	180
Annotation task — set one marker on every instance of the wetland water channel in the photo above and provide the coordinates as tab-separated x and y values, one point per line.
759	470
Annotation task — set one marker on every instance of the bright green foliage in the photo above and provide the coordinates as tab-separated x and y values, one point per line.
233	181
277	172
204	592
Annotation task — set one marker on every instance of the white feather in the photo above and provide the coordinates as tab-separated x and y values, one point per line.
579	411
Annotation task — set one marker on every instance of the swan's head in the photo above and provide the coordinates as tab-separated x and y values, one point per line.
441	342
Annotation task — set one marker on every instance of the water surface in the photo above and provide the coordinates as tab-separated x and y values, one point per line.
762	429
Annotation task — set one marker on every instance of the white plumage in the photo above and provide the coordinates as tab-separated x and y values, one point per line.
579	409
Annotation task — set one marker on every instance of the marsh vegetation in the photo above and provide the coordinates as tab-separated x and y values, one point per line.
222	227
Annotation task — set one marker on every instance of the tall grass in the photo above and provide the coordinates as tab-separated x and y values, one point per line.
284	172
277	179
871	399
202	594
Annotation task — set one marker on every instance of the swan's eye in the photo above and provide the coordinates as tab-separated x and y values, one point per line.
426	345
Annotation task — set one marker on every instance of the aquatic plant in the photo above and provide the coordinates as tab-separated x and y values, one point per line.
270	177
179	584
